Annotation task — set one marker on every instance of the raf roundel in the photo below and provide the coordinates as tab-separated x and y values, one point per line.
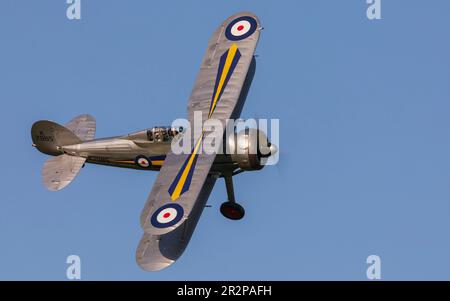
142	161
167	216
240	28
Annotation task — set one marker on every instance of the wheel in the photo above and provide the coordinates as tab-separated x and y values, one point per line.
233	211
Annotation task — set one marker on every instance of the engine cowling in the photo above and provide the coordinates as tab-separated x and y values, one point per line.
249	148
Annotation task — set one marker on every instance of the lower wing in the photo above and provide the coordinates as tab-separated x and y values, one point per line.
156	252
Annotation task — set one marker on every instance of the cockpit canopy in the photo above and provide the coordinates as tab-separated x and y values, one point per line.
163	134
157	134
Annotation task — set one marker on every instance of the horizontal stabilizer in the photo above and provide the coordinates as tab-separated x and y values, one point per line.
59	171
83	126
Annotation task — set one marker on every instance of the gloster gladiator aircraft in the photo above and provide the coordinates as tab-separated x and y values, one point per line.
185	181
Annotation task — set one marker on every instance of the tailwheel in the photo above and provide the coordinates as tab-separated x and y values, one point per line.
232	210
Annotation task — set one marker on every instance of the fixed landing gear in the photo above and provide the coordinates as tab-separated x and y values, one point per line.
231	209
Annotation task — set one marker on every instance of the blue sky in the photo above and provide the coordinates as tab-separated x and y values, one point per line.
363	108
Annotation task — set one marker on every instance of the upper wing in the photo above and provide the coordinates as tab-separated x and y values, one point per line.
224	67
216	95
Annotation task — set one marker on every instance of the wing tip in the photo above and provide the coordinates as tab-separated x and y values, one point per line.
149	256
240	14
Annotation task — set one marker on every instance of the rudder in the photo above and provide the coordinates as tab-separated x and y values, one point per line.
47	136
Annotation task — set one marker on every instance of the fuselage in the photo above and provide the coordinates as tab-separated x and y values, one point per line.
134	151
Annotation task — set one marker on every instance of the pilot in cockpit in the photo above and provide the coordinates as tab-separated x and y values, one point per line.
163	134
150	135
157	135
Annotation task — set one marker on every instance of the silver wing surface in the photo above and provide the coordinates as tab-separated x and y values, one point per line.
216	94
156	252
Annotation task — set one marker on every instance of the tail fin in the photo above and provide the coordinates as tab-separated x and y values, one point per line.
49	136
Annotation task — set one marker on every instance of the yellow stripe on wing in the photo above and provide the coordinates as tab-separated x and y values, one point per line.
231	53
177	192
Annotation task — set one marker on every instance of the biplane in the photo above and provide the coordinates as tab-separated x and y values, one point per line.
185	180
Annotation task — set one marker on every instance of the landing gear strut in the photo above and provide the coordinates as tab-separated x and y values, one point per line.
231	209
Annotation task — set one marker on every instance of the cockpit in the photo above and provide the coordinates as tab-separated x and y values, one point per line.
163	134
156	134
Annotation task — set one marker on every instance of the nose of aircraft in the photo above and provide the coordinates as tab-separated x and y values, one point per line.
273	149
269	150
